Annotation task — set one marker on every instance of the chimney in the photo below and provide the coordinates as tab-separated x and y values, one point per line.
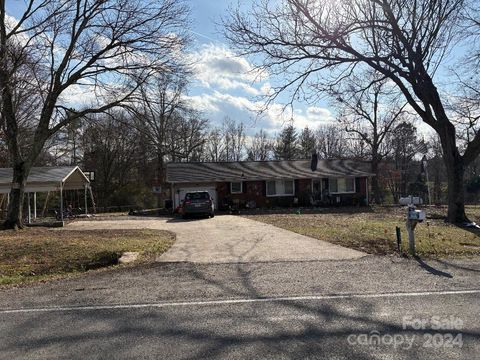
314	161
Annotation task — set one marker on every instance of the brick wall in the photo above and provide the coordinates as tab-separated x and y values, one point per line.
252	191
255	191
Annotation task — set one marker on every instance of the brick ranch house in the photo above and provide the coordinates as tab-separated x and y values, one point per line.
272	183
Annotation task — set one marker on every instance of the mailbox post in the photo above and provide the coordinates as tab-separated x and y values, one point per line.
413	218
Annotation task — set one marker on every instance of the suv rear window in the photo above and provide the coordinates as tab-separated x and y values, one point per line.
197	196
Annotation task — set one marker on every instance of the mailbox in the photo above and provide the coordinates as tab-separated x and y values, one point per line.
418	215
413	218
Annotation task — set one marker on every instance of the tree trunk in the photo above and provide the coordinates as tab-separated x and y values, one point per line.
375	184
456	192
15	206
455	172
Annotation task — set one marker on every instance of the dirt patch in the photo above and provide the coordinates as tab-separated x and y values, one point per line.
128	257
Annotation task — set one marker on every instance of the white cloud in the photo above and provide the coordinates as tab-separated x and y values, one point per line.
313	117
318	112
228	85
79	95
216	105
204	103
218	67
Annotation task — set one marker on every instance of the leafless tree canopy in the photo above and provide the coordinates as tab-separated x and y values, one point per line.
369	108
105	48
261	147
312	45
299	39
78	57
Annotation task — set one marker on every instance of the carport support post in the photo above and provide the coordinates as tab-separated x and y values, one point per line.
86	202
35	206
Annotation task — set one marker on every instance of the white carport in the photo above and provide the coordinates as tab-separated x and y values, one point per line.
48	179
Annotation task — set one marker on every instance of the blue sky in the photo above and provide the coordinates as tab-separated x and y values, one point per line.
225	85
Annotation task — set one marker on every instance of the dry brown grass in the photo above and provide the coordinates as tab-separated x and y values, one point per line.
373	231
38	253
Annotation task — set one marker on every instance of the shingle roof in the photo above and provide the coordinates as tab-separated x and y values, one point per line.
46	179
183	172
39	174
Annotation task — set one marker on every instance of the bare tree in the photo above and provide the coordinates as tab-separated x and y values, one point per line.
109	145
369	109
354	146
261	147
331	142
104	49
190	136
234	137
157	116
323	42
404	144
214	147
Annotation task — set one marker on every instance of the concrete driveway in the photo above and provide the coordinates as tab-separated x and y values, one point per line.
230	239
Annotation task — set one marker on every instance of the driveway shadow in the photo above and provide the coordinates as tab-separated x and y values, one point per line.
181	220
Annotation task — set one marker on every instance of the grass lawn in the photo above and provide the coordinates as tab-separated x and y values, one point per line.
36	254
373	230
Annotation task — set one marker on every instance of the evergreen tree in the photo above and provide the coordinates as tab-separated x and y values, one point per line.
307	143
286	147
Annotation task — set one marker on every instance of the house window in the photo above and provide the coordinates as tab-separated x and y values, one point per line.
342	185
236	187
271	188
280	188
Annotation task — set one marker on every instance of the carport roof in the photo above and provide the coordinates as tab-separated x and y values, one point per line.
187	172
46	179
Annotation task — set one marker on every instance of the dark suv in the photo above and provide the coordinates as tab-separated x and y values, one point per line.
198	203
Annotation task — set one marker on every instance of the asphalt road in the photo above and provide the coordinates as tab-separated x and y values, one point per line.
367	308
